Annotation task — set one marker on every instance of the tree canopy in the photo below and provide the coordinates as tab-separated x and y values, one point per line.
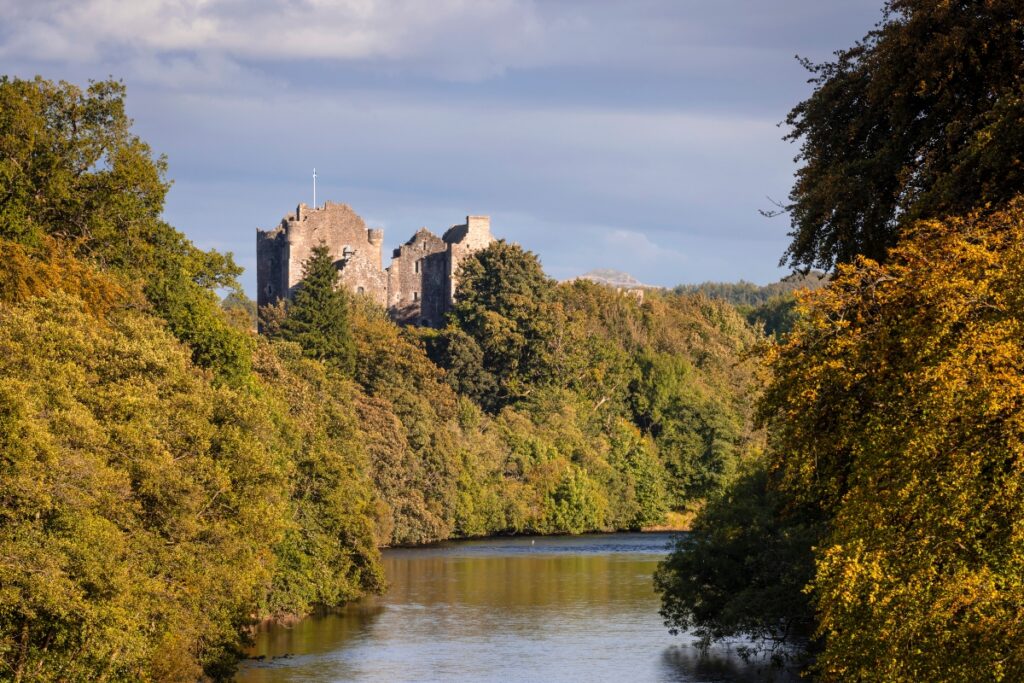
920	119
503	302
913	370
158	495
167	477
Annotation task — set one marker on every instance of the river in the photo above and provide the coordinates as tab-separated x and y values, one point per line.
557	608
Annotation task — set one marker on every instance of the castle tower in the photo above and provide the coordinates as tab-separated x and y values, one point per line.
375	236
417	287
463	240
355	250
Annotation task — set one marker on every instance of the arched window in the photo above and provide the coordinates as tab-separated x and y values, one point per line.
359	290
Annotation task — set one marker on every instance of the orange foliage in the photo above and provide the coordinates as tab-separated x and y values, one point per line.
29	273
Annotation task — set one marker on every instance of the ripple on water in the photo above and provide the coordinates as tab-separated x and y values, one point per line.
568	608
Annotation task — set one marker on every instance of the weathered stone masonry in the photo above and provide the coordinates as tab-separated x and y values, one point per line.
417	287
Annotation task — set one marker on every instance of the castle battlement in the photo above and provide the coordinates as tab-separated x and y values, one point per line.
417	287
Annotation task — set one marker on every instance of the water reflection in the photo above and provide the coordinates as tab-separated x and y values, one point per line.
546	609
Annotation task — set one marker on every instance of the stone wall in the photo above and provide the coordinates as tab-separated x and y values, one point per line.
417	287
416	280
271	266
355	250
463	240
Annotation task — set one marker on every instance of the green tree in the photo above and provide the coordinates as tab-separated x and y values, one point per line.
319	319
699	436
742	569
924	117
776	316
463	360
72	170
328	552
503	302
641	498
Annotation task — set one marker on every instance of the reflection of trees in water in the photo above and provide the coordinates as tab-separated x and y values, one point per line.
523	582
686	663
323	631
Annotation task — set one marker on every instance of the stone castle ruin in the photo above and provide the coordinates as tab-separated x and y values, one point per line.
417	288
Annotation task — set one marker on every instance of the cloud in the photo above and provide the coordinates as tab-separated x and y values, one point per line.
641	247
463	38
454	40
637	135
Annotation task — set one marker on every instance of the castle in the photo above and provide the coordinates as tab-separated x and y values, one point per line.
417	288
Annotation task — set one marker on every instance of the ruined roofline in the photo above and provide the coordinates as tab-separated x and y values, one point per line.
416	287
416	234
302	208
397	251
270	232
457	233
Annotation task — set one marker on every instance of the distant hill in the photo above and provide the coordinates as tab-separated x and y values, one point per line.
745	293
614	278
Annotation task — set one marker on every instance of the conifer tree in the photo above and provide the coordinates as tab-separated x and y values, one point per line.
319	318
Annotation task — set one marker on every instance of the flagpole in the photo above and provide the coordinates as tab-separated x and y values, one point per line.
314	188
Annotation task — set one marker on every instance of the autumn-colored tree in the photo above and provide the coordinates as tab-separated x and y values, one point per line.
138	501
71	170
897	411
155	494
924	117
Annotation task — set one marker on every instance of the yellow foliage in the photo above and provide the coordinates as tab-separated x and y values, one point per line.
897	408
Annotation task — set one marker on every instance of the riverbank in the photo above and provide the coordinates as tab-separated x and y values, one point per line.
674	521
499	609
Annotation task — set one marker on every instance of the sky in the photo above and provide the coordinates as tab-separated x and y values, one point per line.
639	135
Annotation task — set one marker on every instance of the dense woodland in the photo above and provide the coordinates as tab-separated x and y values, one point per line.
168	477
882	535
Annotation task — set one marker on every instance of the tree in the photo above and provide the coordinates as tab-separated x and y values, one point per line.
71	170
319	318
463	361
922	118
742	569
138	501
328	553
503	302
70	167
896	409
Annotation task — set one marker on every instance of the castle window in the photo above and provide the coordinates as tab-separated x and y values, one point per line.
415	296
419	265
360	290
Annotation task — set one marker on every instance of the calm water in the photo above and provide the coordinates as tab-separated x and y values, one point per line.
559	608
